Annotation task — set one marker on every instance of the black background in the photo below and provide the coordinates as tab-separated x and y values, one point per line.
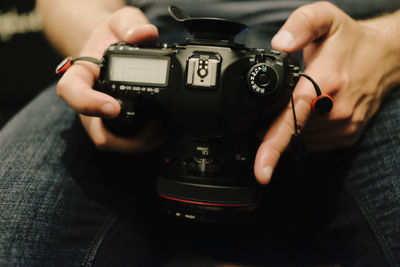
27	63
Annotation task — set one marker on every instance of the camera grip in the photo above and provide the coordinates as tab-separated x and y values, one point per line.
126	123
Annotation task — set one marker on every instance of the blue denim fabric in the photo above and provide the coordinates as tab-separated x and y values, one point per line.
63	203
374	177
40	204
50	210
367	177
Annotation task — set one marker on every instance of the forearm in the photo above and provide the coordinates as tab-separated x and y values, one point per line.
68	24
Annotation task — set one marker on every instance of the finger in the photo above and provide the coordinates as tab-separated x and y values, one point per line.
143	34
332	139
340	135
280	133
306	24
341	114
144	141
122	26
75	87
130	25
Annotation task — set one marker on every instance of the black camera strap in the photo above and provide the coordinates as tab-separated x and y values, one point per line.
67	63
322	104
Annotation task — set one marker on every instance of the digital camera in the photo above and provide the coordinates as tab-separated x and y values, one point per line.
214	98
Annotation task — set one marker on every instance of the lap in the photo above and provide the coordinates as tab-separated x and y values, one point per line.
66	203
359	188
59	197
373	177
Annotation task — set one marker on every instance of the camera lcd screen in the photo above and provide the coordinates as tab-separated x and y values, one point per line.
139	70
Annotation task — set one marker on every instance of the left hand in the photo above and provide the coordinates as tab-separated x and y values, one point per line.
352	61
127	24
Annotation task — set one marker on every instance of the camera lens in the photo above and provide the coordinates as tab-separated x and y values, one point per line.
210	181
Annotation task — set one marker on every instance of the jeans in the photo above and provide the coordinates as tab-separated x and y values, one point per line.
63	203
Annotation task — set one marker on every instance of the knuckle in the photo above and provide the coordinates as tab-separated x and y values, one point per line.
305	12
126	18
350	135
84	110
128	12
338	81
100	142
325	4
350	141
351	131
308	15
312	14
319	6
289	124
61	88
343	114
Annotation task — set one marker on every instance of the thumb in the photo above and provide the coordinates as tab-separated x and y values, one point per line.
131	25
142	34
280	133
306	24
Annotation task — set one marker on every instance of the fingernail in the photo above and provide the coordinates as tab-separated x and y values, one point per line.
283	40
129	33
267	173
108	109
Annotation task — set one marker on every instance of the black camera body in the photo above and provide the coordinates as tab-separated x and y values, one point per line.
213	97
210	90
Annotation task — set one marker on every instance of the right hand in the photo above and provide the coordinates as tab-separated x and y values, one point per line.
76	86
342	56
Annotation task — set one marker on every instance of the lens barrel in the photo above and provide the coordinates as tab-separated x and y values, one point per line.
208	181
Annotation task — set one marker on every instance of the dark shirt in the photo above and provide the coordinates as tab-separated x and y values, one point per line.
264	17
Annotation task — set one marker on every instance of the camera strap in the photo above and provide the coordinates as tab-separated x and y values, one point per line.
67	63
322	104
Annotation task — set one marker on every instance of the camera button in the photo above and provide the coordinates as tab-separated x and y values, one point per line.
275	52
203	72
263	79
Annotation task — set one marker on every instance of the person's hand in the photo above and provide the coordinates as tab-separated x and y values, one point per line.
352	61
75	87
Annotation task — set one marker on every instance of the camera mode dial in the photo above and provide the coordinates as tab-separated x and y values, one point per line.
262	79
